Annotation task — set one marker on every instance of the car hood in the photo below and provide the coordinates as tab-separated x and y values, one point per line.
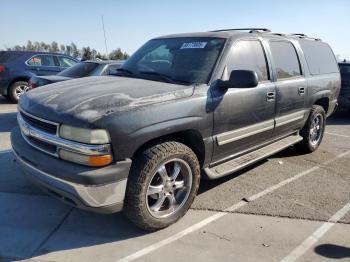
86	100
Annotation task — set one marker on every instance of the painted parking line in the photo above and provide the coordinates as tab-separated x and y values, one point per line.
316	236
334	134
8	111
5	151
218	215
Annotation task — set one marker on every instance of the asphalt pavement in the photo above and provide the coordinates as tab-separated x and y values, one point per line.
289	207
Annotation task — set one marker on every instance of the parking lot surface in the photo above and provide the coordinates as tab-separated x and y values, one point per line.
289	207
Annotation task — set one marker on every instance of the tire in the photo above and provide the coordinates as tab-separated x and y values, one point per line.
147	174
14	90
311	140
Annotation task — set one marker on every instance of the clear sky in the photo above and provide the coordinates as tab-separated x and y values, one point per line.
130	23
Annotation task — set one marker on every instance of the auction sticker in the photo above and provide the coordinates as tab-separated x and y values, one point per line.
193	45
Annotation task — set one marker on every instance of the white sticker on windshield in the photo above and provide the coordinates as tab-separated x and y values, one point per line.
193	45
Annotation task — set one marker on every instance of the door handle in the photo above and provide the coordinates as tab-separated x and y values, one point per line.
301	90
270	96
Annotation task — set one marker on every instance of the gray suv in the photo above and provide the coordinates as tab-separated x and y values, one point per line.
183	107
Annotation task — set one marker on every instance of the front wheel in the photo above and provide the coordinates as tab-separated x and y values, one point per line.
313	130
162	185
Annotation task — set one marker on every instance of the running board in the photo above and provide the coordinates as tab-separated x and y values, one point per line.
241	162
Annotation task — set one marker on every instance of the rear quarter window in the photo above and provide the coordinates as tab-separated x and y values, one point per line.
66	61
319	57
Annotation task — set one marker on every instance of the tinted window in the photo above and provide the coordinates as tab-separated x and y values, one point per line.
285	59
79	70
66	62
183	60
42	60
319	57
249	55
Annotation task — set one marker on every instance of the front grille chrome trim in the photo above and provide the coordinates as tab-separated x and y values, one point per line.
37	147
40	119
28	131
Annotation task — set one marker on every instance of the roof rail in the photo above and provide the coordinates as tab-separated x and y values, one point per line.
251	30
279	34
304	36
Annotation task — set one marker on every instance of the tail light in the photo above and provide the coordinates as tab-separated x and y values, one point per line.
2	68
33	85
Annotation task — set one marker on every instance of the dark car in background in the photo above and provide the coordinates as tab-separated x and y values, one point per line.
344	97
17	67
82	69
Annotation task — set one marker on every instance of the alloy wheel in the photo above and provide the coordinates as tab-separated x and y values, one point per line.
169	188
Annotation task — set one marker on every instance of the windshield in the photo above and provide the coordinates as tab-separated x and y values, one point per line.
79	70
183	60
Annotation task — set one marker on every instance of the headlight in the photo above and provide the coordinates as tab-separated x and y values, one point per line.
87	136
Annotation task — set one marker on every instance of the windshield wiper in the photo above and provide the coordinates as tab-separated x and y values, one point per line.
163	76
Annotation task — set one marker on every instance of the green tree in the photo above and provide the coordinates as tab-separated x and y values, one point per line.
54	47
86	54
63	49
116	54
30	46
36	46
75	51
100	56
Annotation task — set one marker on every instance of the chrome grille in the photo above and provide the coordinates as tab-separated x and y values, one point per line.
43	135
41	124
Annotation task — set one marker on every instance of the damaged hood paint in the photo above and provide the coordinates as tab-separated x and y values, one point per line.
89	99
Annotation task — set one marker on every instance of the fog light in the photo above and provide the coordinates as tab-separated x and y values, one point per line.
102	160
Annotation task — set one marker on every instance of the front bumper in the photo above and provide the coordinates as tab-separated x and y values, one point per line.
42	169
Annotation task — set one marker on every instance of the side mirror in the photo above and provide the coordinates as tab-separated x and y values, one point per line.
241	79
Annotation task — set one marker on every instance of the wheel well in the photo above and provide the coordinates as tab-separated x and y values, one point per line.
324	102
191	138
26	79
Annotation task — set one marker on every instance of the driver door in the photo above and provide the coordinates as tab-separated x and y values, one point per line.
244	117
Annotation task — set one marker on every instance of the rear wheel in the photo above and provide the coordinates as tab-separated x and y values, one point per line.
162	185
313	130
17	89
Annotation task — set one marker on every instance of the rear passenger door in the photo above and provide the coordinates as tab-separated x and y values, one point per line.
244	117
43	65
291	87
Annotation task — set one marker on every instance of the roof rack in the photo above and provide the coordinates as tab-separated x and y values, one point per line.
251	30
304	36
279	34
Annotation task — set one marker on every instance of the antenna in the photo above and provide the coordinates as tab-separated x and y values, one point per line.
104	34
